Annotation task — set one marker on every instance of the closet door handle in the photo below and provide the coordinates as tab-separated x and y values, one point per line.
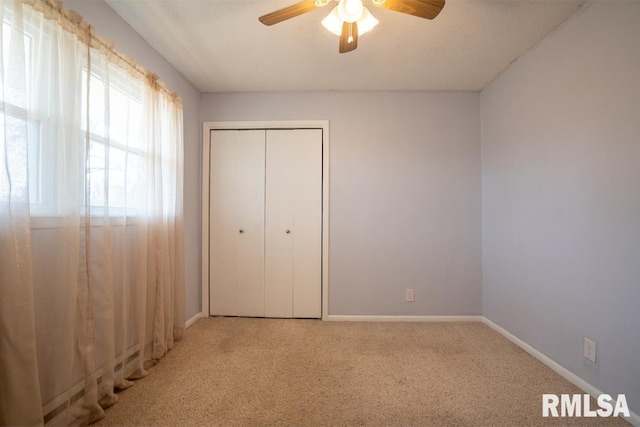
241	231
288	231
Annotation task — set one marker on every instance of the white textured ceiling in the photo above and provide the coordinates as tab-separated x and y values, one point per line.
220	46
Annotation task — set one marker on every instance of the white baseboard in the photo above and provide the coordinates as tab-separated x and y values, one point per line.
367	318
194	319
634	419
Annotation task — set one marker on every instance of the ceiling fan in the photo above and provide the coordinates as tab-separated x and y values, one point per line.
350	18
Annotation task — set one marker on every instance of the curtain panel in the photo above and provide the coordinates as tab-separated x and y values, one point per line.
91	218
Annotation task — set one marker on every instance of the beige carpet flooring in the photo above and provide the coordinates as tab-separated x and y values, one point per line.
272	372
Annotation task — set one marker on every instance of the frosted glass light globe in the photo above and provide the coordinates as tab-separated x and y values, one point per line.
350	10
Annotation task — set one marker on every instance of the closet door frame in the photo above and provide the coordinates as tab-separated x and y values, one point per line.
207	129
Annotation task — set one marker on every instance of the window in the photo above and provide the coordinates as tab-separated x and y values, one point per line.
50	114
18	127
34	166
117	153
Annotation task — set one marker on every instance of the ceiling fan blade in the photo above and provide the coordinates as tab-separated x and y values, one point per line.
292	11
427	9
349	37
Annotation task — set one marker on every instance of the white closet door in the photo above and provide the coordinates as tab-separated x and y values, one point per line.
236	217
293	246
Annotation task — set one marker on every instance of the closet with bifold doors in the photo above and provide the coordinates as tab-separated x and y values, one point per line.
265	222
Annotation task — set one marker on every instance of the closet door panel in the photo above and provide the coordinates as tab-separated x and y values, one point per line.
279	220
236	223
307	223
293	218
223	240
250	258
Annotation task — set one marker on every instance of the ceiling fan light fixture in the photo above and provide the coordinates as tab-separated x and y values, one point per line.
350	19
350	10
366	22
333	23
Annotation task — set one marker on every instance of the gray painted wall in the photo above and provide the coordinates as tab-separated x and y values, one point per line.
110	26
405	198
561	197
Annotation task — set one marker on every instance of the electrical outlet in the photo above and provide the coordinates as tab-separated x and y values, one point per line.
590	350
409	296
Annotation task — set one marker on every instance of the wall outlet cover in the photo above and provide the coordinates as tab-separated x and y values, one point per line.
409	295
590	350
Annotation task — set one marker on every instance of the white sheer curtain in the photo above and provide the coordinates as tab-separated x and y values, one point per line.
91	231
